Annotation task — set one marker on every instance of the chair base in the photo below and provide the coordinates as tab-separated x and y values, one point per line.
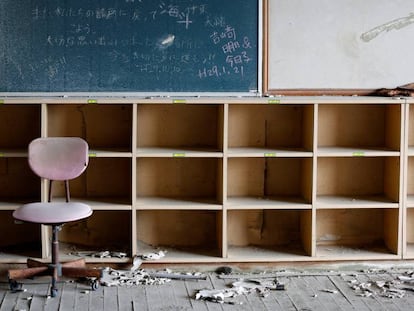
71	269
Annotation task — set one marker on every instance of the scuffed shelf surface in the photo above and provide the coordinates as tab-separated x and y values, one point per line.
180	254
178	203
350	252
348	201
267	254
286	202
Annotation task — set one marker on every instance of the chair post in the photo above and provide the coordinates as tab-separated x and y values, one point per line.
67	191
55	265
49	197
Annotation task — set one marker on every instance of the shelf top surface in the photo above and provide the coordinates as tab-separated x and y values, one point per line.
119	99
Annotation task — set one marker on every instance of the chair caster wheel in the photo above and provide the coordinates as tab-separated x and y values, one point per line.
94	285
53	292
15	286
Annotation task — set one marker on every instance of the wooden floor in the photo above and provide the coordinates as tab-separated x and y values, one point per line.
304	290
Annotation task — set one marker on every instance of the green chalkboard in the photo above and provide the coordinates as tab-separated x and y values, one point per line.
128	46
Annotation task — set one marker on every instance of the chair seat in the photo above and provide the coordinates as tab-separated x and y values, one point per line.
52	212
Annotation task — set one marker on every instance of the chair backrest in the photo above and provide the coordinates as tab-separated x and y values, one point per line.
58	158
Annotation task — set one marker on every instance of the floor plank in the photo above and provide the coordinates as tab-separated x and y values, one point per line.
68	297
331	295
343	284
110	298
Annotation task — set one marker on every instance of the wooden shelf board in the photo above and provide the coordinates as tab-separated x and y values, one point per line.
179	255
68	252
19	253
78	99
268	152
267	203
332	202
12	204
102	203
13	153
178	152
110	152
13	258
410	151
334	151
342	252
258	253
409	251
151	203
410	201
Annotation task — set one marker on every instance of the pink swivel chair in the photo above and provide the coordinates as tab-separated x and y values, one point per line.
55	159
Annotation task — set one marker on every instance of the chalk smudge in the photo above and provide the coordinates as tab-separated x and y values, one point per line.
395	24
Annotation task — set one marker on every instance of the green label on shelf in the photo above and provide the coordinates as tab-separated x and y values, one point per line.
92	101
273	101
92	154
1	154
178	154
358	153
1	101
270	154
179	101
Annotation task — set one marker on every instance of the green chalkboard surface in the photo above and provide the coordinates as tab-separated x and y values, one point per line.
128	46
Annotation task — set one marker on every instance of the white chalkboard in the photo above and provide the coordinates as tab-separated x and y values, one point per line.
339	44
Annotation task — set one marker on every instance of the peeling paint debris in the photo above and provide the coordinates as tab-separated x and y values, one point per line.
395	288
154	256
241	287
137	276
112	277
100	254
220	295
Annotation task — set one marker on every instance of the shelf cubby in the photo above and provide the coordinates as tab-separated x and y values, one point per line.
269	183
409	234
103	231
410	126
346	182
185	129
357	233
359	129
19	125
186	235
105	184
18	240
18	184
410	182
258	130
179	183
269	235
107	128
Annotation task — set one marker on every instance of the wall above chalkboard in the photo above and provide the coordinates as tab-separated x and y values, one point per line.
338	45
129	46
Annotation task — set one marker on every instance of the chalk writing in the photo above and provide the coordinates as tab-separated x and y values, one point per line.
236	54
133	45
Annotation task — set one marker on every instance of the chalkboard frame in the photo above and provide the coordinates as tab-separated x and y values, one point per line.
295	90
150	94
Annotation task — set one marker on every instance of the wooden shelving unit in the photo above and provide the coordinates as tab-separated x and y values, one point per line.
408	232
221	179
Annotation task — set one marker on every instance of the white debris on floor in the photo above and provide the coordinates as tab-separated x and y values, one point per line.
137	276
395	288
240	287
